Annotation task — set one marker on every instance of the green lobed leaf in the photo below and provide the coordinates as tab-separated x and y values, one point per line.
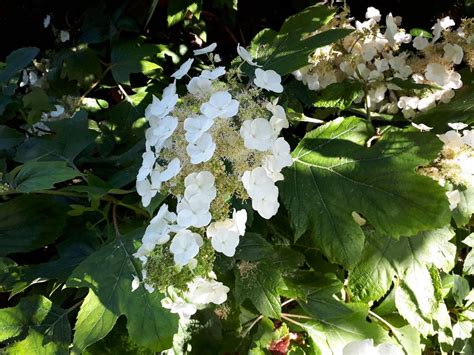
26	223
59	145
417	298
339	95
178	9
16	61
259	274
288	50
42	175
128	57
82	65
36	326
148	323
9	137
334	175
384	258
335	324
465	208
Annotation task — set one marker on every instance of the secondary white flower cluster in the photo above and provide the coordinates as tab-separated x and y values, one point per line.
373	55
456	165
216	145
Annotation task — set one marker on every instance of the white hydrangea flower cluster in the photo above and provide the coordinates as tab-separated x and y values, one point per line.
454	168
375	55
218	144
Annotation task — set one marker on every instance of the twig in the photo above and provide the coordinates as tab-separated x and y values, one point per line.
287	301
290	315
114	220
252	325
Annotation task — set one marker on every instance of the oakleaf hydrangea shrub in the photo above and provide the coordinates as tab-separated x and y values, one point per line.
184	222
218	143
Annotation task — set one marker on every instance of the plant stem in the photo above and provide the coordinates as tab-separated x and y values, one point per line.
387	324
251	326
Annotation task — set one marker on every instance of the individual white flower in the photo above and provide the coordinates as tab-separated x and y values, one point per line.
257	183
454	197
196	126
422	127
161	175
194	214
366	347
257	134
59	110
402	37
427	103
149	288
185	246
453	53
381	64
452	139
163	128
391	30
281	151
202	149
440	25
135	282
183	69
160	108
348	68
217	58
148	160
46	21
223	239
407	102
373	13
268	79
468	137
179	306
368	51
280	158
145	190
262	191
157	231
213	74
225	234
239	218
420	42
278	121
457	126
245	55
199	87
64	36
438	74
445	95
200	185
378	93
202	291
220	105
364	26
266	206
210	48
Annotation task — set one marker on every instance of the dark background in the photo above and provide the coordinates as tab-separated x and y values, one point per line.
21	21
